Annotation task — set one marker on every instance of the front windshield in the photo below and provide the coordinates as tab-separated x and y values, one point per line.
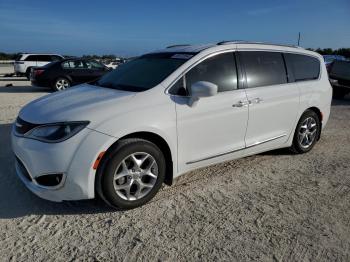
144	72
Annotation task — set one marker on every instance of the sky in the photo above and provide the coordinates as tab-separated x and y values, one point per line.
128	28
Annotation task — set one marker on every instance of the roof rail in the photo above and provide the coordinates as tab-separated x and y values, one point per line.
258	43
230	42
172	46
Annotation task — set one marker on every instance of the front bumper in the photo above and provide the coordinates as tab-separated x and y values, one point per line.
74	158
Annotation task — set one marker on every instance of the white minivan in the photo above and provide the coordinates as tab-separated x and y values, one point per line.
169	112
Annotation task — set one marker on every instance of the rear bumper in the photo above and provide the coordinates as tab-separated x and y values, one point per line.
19	68
40	83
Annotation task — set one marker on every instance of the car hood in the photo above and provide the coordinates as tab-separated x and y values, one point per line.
83	102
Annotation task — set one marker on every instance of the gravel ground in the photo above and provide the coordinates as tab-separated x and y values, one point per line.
271	207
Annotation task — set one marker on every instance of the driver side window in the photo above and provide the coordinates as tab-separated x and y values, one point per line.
219	70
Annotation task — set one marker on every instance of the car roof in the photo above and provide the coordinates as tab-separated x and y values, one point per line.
76	58
206	49
28	54
186	48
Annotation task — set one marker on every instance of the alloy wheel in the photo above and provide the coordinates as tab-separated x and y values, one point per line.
135	176
307	132
62	84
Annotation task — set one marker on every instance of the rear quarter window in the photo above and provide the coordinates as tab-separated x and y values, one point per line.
303	67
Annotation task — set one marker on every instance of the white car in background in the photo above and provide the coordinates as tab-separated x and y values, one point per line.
112	65
25	62
169	112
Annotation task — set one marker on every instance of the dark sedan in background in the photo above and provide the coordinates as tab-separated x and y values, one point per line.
66	73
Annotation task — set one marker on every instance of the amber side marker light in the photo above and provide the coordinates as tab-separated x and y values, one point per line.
97	162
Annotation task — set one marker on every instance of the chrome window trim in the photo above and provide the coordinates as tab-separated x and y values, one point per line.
184	72
284	52
238	49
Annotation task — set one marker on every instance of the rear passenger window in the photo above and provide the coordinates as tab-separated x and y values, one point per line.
31	58
43	58
219	69
75	64
264	68
303	67
56	58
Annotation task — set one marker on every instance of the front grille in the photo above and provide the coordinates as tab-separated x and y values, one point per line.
23	127
22	169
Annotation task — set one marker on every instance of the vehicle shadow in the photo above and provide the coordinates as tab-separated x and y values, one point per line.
17	201
17	79
23	89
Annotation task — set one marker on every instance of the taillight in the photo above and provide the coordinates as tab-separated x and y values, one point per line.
38	72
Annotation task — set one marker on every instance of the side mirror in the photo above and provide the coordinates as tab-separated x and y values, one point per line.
202	89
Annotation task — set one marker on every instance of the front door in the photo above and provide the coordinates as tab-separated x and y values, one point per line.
213	129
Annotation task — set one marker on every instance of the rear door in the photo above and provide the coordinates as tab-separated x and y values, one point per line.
76	70
273	101
43	60
95	69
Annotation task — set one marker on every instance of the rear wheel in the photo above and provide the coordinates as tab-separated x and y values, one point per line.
133	174
306	133
61	84
27	74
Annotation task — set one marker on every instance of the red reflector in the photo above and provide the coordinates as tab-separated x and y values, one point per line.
97	162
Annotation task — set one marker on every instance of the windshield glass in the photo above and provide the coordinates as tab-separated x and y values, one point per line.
144	72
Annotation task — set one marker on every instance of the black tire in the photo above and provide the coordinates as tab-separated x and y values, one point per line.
297	146
62	80
27	74
112	162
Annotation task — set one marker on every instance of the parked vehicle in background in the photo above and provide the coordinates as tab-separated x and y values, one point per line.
339	76
63	74
112	65
169	112
25	62
115	63
328	59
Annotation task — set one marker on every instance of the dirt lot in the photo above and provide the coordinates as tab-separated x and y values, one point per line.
271	207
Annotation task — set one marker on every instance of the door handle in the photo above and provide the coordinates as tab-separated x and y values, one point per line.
241	104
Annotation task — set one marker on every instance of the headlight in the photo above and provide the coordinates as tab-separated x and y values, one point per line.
54	133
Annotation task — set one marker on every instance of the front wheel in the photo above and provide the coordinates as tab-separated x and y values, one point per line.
133	174
306	133
61	84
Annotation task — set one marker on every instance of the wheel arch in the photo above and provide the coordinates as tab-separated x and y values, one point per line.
320	117
149	136
63	76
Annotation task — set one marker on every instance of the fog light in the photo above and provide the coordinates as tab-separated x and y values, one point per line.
50	180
